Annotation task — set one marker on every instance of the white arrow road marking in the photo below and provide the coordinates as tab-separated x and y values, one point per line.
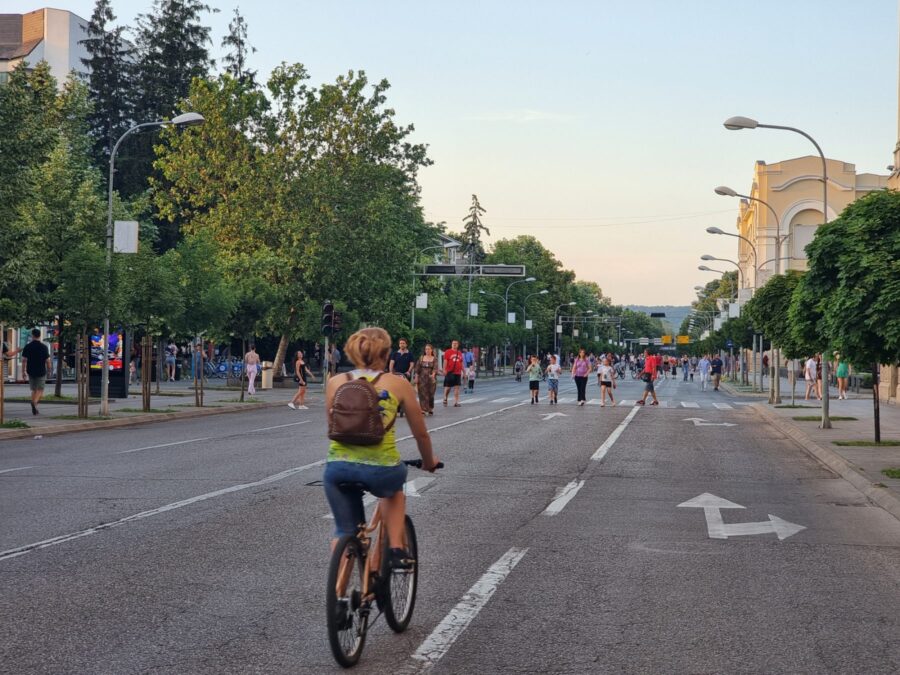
614	436
563	496
412	488
451	627
718	529
21	468
700	422
690	404
550	416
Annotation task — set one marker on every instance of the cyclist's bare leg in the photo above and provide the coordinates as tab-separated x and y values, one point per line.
393	513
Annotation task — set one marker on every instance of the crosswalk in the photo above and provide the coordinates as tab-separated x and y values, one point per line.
663	403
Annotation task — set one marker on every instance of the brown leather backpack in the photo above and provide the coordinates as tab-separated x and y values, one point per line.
356	416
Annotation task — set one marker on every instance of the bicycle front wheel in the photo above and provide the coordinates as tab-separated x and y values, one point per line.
400	585
346	618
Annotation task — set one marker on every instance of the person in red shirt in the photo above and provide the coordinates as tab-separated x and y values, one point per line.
651	363
453	368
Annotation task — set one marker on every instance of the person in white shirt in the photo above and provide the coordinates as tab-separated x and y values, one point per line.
552	372
809	374
703	366
606	375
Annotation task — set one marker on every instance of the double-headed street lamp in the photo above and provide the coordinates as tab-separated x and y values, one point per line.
707	257
704	268
556	322
738	123
726	191
718	230
188	119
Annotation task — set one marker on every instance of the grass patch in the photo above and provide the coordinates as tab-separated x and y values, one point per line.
816	418
246	400
788	405
14	424
173	393
867	444
891	473
82	419
140	410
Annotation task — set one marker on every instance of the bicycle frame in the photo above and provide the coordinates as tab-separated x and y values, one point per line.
368	532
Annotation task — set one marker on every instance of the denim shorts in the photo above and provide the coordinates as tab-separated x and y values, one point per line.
347	503
553	385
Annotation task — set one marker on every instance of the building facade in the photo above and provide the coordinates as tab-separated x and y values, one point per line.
51	35
793	188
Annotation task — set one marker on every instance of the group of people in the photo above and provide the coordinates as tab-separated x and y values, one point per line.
812	374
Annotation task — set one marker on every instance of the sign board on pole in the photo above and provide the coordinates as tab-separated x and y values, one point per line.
559	328
503	270
422	301
574	332
464	270
527	324
511	317
644	341
657	341
473	309
125	236
729	344
666	339
683	339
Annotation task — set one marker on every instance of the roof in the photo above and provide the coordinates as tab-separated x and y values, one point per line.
8	52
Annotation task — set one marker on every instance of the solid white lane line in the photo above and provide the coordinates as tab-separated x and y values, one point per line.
277	426
163	445
501	400
563	496
451	627
463	401
614	436
27	548
690	404
18	468
723	406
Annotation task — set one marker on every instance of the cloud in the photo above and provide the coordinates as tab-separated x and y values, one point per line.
521	116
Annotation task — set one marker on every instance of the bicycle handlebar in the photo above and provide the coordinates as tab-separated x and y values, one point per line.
417	463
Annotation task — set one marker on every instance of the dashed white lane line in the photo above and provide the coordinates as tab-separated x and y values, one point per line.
468	419
690	404
723	406
563	496
18	468
614	436
209	438
502	400
451	627
470	400
277	426
28	548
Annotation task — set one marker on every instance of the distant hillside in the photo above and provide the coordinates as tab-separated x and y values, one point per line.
674	314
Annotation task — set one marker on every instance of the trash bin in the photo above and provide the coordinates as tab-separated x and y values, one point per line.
267	375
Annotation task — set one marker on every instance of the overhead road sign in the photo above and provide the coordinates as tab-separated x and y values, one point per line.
666	339
644	341
683	339
473	270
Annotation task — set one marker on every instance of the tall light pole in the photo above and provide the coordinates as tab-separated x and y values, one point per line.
556	322
707	258
704	268
412	323
726	191
184	120
738	123
533	327
506	305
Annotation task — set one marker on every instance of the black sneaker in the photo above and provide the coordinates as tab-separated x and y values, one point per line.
34	409
400	559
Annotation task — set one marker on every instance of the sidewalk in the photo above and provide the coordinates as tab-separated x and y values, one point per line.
862	466
176	400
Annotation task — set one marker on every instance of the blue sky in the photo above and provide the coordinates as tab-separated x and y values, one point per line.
597	126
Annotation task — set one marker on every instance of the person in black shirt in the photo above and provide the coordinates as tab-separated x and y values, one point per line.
402	364
36	362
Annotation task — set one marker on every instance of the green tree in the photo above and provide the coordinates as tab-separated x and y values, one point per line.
239	50
473	226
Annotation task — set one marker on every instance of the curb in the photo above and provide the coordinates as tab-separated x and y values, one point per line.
149	418
835	462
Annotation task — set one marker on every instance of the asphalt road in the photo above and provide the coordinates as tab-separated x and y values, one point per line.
550	545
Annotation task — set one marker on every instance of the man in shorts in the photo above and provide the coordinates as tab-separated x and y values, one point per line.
36	363
716	367
649	374
453	369
402	364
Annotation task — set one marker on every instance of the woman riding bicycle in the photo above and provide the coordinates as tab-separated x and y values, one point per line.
378	467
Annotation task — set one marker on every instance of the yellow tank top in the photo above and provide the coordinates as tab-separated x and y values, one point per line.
383	454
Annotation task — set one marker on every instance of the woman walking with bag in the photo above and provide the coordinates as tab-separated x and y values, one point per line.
426	374
580	369
301	372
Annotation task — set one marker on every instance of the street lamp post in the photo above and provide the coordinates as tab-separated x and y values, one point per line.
718	230
188	119
738	123
704	268
506	305
779	240
412	323
555	323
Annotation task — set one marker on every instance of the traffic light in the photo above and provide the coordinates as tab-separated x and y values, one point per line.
327	319
337	323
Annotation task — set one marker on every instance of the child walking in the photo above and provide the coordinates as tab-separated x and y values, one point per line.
470	375
553	380
534	378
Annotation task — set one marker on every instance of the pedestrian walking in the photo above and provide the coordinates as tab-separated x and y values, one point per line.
685	367
534	378
36	364
552	372
470	376
453	371
302	374
251	364
581	367
810	373
606	375
703	366
842	372
694	362
648	376
401	364
426	374
715	366
171	354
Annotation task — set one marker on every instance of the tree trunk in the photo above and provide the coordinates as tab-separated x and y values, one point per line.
60	356
776	354
793	376
876	402
83	372
160	347
146	371
283	345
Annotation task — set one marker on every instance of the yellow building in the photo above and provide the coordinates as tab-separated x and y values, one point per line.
793	188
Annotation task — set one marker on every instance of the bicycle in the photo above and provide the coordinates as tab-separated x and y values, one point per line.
360	575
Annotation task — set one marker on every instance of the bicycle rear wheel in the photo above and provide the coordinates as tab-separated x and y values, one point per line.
399	585
346	619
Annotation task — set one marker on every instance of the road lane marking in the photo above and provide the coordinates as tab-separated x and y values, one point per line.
627	402
451	627
723	406
28	548
501	400
690	404
718	529
209	438
470	400
19	468
563	496
614	436
468	419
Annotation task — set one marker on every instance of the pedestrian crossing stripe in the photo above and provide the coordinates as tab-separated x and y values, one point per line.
723	406
567	399
627	402
690	404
